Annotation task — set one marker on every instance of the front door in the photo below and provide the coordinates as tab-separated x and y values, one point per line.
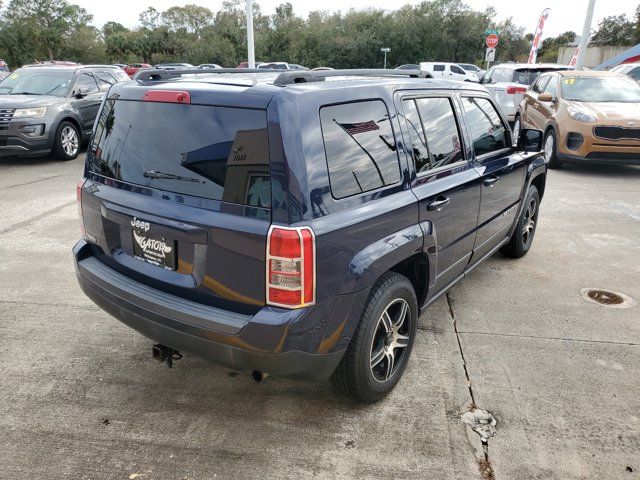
445	182
89	103
532	114
502	171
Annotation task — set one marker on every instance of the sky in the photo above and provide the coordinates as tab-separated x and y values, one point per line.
565	14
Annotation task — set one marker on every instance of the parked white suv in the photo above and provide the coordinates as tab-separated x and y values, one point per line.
452	71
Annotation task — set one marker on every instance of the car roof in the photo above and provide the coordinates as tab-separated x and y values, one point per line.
533	66
590	73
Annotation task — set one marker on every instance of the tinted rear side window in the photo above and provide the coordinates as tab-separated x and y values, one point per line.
360	147
211	152
438	68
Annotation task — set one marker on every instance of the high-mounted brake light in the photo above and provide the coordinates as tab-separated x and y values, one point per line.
514	90
166	96
79	202
291	267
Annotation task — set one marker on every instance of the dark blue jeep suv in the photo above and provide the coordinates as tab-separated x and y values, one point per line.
298	223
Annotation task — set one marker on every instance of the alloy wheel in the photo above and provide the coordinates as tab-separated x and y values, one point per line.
69	140
530	218
390	340
548	148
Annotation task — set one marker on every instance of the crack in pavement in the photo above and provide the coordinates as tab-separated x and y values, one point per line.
28	221
563	339
31	182
481	422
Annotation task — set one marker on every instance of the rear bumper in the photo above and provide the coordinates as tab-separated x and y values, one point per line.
272	340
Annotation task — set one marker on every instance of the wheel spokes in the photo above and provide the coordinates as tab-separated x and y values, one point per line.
378	356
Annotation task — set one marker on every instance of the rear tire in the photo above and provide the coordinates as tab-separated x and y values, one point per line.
381	345
67	142
550	147
522	237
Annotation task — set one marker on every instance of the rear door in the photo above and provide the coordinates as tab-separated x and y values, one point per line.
179	196
445	182
502	170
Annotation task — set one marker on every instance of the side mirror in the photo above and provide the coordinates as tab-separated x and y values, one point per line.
81	92
546	97
530	140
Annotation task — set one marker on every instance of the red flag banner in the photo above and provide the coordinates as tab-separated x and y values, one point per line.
535	45
361	127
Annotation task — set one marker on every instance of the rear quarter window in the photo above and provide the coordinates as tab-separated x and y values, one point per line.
359	146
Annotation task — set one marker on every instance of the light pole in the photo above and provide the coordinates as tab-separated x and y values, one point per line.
385	50
251	54
586	33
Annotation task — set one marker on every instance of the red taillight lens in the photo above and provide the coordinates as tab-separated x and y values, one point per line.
515	90
79	202
291	267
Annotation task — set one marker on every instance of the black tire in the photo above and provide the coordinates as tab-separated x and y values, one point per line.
355	377
66	149
522	237
552	161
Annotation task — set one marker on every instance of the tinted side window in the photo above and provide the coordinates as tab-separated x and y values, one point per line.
359	146
438	68
441	130
418	147
540	85
488	133
105	80
87	81
635	73
488	77
456	69
552	87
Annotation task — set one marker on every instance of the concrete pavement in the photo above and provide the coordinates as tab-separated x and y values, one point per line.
82	398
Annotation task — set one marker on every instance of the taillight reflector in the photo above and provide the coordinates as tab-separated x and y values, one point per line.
515	90
166	96
291	264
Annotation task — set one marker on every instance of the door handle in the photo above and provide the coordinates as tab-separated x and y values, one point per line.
438	204
491	181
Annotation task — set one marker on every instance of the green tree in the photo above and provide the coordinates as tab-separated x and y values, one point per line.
550	47
615	30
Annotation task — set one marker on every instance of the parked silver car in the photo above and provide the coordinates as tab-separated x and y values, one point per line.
508	82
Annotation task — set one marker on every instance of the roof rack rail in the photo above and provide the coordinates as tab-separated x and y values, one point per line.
147	74
303	76
284	78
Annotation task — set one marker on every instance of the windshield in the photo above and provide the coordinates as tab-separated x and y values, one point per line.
526	76
35	81
603	89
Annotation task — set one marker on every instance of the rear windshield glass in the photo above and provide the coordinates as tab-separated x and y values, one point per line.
211	152
526	76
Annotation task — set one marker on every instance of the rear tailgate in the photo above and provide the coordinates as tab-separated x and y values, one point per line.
178	197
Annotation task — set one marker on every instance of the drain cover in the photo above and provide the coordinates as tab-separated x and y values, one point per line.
607	297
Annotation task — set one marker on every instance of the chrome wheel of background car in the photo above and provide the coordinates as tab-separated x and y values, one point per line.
390	340
69	140
530	218
516	130
548	148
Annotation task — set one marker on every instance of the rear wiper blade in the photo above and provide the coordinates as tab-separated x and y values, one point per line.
169	176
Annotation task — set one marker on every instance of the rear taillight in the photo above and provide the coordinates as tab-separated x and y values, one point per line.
516	90
79	199
166	96
291	267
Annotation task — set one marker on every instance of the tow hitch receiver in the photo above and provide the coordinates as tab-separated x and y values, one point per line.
165	354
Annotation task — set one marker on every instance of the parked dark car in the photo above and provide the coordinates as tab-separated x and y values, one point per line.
50	108
294	225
